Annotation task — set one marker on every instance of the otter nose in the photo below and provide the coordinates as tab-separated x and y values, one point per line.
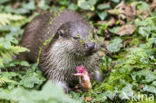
90	45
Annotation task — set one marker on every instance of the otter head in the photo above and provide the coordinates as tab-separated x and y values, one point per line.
78	38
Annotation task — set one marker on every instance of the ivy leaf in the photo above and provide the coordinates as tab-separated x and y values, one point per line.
144	76
29	6
43	4
100	97
87	4
114	30
64	2
154	83
152	40
115	1
110	94
115	45
102	15
73	6
144	31
103	6
150	88
20	11
142	6
126	92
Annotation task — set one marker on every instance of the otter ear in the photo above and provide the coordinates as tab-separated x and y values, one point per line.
61	32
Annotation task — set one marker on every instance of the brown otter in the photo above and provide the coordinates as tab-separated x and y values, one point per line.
61	41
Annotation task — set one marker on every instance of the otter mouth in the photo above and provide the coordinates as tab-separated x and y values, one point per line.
89	53
91	48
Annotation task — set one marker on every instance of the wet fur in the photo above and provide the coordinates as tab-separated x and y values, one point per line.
59	65
59	58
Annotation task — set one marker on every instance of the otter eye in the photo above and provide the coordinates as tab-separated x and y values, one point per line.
61	32
76	38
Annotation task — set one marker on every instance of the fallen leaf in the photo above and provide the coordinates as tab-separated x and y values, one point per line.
153	5
106	34
106	42
101	53
123	12
126	42
126	30
112	21
140	86
88	99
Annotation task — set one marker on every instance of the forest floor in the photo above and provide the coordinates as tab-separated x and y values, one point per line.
127	33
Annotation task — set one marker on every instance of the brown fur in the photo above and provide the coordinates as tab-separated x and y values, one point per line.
59	57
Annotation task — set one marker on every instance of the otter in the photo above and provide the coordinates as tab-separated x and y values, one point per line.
59	42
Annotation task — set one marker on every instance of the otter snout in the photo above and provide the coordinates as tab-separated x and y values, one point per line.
90	46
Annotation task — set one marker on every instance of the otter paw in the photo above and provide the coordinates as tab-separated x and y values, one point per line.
64	85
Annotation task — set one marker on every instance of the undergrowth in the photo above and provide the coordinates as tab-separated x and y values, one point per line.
128	56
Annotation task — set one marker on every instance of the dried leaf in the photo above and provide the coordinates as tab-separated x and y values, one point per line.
140	87
126	30
88	99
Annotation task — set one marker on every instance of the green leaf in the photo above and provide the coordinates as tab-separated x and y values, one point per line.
101	97
105	62
110	94
143	31
4	80
50	93
76	96
21	11
9	75
152	40
4	1
103	6
144	76
7	18
102	15
142	6
64	2
43	4
30	81
126	92
29	6
31	78
115	45
24	63
115	1
73	6
87	4
114	29
154	83
7	45
151	89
